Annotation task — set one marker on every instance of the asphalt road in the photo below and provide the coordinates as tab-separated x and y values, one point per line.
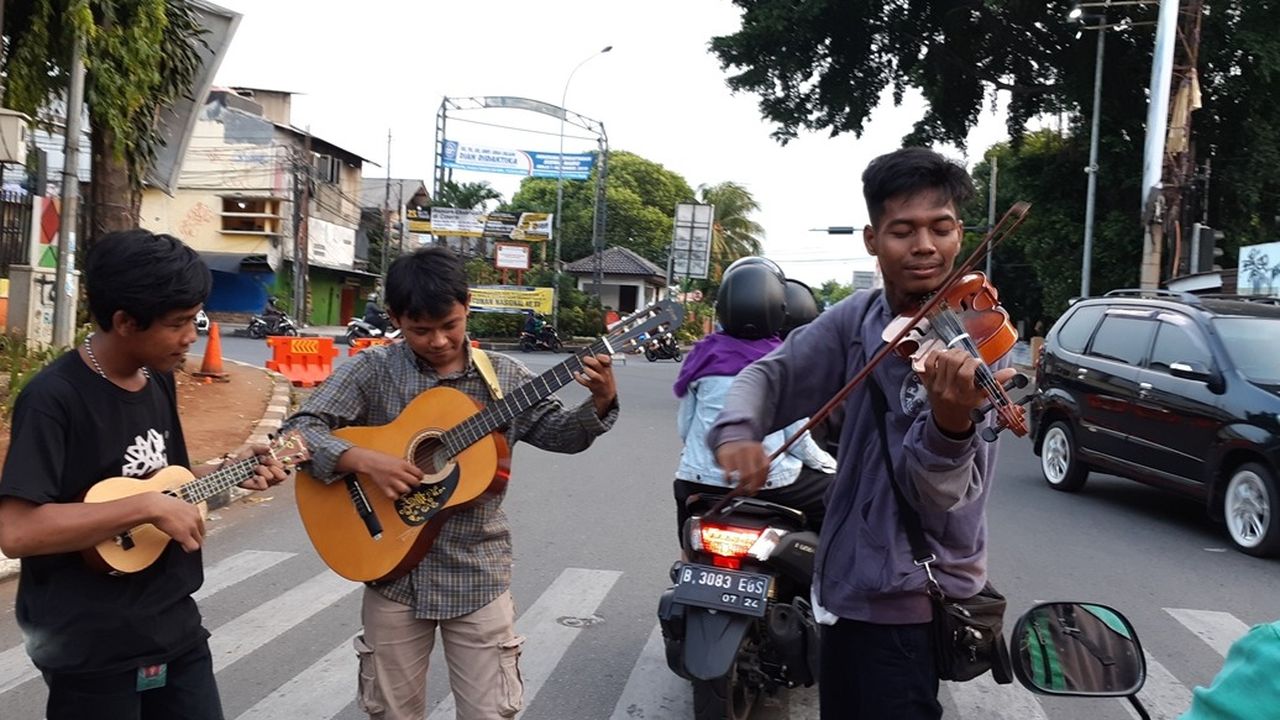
594	538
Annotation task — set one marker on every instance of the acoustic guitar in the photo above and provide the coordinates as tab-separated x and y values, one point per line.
364	536
137	548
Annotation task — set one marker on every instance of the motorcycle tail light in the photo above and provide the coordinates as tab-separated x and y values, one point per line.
724	541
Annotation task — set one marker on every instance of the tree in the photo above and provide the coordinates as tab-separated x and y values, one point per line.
466	196
832	292
734	234
140	56
824	65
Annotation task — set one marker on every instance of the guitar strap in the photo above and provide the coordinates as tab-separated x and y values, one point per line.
487	372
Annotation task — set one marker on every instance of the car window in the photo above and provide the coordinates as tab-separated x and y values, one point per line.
1178	340
1074	334
1254	346
1122	338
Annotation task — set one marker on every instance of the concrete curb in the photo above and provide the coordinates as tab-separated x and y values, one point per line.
277	410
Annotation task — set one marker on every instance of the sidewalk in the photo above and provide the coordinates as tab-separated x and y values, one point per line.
214	416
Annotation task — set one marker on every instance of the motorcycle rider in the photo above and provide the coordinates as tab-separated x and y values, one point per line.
272	314
375	316
750	308
1245	688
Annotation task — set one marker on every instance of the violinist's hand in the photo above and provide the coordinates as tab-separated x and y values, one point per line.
746	462
949	376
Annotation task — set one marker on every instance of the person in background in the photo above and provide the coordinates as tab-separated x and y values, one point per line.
751	314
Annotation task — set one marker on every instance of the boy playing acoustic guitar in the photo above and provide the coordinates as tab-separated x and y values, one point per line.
127	646
462	584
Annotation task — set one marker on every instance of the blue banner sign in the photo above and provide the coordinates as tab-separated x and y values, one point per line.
464	156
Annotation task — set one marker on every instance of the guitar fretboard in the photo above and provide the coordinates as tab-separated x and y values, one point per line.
203	488
500	413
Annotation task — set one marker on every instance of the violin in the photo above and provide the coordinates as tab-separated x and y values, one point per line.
969	316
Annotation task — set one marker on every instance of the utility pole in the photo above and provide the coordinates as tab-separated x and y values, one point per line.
991	205
386	212
1153	210
64	307
1086	265
300	239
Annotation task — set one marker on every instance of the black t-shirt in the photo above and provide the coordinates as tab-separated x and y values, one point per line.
72	428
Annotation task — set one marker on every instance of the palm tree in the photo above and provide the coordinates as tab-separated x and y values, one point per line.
734	234
467	196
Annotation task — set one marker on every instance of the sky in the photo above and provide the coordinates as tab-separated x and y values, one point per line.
386	65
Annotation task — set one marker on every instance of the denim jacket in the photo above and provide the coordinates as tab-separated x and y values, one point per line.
698	409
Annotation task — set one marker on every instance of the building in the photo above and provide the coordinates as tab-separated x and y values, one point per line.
629	281
240	203
389	201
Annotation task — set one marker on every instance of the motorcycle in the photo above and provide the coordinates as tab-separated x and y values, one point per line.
546	339
261	326
737	622
202	323
662	346
360	328
1079	649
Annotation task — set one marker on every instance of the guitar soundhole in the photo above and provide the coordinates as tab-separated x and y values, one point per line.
430	456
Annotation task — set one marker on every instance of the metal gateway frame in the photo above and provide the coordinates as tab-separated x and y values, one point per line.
508	102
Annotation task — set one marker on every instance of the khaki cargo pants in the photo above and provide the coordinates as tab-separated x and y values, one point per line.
481	649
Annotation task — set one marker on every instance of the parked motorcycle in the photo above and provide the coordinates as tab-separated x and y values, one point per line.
662	346
202	323
261	326
546	339
1079	649
737	622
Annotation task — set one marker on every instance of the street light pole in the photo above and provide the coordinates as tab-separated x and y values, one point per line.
564	96
1092	170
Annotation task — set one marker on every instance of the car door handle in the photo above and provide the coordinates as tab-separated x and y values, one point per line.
1081	372
1144	389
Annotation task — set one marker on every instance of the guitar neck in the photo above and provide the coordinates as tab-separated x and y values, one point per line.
202	488
499	414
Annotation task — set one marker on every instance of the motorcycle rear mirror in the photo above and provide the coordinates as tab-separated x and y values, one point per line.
1077	649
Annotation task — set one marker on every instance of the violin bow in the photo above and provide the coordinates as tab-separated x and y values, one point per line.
995	235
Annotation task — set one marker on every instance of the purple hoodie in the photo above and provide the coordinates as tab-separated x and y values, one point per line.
721	354
864	568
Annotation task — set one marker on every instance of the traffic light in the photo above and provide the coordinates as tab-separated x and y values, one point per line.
1209	249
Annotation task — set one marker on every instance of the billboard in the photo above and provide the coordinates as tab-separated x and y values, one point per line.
691	245
480	158
511	299
1259	270
511	256
453	222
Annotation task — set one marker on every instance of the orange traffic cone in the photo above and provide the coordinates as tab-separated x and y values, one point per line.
211	367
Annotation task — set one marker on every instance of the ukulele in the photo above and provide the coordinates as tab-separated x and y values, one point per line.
139	547
364	536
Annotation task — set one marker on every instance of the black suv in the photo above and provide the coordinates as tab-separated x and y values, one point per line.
1170	389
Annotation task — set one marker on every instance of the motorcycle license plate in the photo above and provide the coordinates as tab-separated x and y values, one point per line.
719	589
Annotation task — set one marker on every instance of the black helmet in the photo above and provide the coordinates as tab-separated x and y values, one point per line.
802	309
752	300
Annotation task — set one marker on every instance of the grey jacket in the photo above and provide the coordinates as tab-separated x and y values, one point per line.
864	569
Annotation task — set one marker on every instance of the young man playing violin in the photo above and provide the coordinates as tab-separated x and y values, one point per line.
877	655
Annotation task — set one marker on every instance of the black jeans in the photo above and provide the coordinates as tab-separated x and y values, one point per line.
878	672
189	693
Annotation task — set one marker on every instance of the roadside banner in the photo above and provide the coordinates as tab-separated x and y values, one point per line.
452	222
480	158
511	299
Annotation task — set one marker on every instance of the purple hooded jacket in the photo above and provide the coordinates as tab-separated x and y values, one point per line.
864	569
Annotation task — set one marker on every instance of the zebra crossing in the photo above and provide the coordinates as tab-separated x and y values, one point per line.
324	685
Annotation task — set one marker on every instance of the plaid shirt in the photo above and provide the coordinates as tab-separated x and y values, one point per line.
469	565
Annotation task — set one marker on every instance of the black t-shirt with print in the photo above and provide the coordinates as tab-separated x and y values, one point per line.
72	428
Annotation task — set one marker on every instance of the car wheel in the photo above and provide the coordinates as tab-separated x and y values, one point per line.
1250	508
1059	461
